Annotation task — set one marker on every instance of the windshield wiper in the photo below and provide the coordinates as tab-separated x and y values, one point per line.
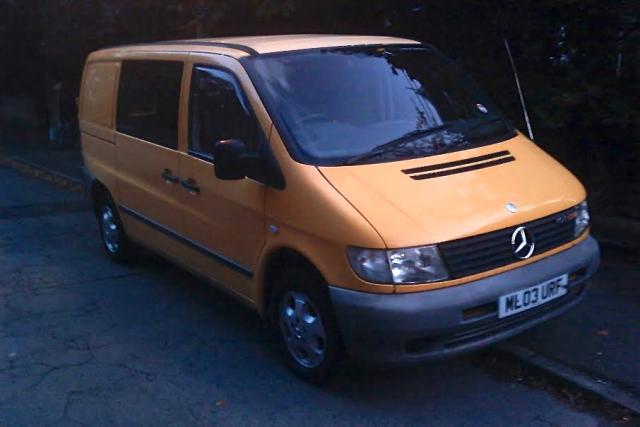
474	129
452	147
388	146
468	135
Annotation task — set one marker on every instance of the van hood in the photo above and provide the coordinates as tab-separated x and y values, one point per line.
456	195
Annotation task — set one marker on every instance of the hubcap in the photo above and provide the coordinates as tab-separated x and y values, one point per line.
110	230
302	329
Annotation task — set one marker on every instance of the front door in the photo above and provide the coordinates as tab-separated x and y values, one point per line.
224	219
146	147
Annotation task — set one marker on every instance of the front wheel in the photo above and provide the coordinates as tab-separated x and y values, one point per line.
306	326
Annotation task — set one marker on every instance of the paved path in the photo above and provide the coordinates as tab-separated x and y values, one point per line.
600	336
87	341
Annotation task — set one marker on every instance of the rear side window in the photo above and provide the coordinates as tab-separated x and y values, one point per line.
218	111
149	100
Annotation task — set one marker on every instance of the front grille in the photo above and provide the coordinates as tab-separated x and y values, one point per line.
476	254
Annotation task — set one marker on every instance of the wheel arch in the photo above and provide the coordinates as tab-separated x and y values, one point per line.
275	262
97	189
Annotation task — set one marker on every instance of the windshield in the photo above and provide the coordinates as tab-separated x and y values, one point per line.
367	104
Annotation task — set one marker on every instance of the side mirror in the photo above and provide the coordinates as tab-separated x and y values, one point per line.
230	159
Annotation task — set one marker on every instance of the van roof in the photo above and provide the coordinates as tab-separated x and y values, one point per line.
256	45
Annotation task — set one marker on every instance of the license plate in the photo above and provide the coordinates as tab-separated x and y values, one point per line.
526	299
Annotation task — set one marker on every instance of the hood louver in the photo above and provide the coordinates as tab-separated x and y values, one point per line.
460	166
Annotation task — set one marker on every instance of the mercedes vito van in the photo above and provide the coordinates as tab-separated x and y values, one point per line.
360	193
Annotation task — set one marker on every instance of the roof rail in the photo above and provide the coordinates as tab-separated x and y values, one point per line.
235	46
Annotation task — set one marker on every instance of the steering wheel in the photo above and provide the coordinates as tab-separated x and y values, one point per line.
312	118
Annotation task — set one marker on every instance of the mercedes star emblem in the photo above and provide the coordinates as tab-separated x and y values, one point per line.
522	243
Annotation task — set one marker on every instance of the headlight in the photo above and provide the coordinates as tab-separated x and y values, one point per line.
399	266
582	219
371	265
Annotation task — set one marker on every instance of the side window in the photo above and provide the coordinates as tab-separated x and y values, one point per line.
149	101
218	111
98	93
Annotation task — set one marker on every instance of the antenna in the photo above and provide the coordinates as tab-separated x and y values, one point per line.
520	93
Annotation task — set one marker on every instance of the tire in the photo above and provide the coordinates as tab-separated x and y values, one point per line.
304	321
114	240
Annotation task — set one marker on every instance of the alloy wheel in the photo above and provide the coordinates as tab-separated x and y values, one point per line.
110	230
302	329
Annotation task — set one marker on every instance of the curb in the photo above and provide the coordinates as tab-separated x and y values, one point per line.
603	389
25	167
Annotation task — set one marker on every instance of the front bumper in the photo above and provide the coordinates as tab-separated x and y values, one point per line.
401	328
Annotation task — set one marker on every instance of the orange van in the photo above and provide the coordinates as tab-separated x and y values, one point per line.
360	193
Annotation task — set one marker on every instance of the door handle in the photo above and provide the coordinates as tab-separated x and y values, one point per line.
169	177
191	185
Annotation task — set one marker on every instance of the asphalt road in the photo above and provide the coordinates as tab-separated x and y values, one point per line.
87	341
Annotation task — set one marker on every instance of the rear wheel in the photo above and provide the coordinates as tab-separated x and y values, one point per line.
304	320
114	240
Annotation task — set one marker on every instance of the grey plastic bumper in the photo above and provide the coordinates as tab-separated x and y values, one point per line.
400	328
